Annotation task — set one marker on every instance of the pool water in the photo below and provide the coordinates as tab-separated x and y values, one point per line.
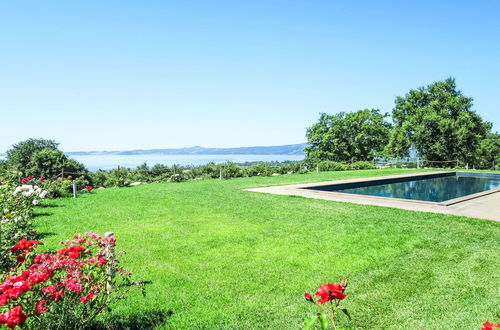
433	189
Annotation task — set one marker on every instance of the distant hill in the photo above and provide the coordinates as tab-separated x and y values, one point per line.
290	149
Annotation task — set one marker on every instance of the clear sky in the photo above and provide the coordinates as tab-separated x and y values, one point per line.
118	75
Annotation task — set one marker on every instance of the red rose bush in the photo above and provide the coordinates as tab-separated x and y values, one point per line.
64	289
328	300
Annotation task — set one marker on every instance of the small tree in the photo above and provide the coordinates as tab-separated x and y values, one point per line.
341	137
19	157
41	157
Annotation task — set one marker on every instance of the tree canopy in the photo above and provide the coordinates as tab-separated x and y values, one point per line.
359	136
19	157
40	157
438	121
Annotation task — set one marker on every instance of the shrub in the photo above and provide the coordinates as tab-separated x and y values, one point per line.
117	178
59	187
261	169
41	157
289	168
231	170
160	171
363	166
16	210
178	177
66	289
98	178
328	165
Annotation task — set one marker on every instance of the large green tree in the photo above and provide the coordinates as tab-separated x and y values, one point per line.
359	136
19	157
438	121
40	157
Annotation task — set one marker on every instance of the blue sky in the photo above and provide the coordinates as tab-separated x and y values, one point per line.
117	75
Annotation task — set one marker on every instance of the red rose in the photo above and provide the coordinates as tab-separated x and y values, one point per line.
4	298
90	296
489	326
42	178
327	292
101	261
49	289
39	307
308	297
13	317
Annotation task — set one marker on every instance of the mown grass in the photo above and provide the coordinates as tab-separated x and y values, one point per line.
220	257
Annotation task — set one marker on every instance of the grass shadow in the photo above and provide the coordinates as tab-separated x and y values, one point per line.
42	214
135	321
48	205
43	235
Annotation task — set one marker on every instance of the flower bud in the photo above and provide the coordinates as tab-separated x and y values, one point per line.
344	283
308	297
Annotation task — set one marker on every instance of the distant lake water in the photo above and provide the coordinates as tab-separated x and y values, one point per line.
107	162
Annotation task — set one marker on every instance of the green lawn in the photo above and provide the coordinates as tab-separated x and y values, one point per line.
220	257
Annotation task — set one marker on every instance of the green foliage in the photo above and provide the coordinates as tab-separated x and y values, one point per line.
488	154
59	187
261	169
328	165
20	156
343	137
208	171
362	166
49	163
231	170
98	178
160	171
289	168
39	157
15	223
439	122
178	177
117	178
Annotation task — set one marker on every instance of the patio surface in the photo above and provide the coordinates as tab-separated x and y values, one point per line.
484	205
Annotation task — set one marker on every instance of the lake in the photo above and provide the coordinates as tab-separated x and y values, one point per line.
107	162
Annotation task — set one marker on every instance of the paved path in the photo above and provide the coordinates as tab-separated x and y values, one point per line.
486	206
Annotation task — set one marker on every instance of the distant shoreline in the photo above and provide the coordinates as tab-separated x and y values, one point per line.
289	149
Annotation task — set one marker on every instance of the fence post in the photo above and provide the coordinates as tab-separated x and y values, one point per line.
317	168
220	172
74	188
110	256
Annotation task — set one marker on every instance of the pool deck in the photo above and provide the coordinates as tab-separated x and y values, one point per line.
484	205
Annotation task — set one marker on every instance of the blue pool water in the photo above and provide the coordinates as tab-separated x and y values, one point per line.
434	188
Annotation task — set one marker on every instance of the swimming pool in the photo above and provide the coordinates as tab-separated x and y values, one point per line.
438	187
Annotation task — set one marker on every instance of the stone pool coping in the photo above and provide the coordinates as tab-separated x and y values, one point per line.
485	205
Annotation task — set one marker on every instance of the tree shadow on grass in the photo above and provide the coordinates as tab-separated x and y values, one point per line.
136	321
48	205
43	235
43	214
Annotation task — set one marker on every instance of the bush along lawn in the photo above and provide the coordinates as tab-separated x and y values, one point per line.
214	256
43	289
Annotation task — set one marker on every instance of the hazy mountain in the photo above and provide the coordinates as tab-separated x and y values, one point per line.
290	149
